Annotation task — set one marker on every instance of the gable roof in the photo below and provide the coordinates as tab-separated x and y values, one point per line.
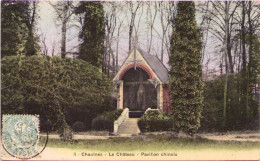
157	66
152	61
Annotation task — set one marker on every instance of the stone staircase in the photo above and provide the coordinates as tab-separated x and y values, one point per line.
136	114
129	127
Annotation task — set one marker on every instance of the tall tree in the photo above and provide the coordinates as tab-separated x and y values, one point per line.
110	25
31	45
92	33
133	9
221	16
13	30
186	73
64	11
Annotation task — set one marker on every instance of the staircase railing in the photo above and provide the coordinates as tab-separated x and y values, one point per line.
124	115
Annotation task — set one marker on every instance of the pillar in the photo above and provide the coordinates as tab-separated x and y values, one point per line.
120	102
160	97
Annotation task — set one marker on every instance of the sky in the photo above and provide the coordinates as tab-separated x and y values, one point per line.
49	26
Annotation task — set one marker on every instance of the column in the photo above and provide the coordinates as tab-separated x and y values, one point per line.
160	97
121	95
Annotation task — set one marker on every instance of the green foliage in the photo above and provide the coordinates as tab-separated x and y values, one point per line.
50	86
112	115
101	123
13	29
155	121
92	34
78	126
17	30
185	79
254	65
212	115
31	45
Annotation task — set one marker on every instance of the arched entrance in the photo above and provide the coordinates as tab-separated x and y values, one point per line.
138	92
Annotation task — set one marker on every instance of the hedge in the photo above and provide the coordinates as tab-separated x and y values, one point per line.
48	86
112	115
101	123
153	121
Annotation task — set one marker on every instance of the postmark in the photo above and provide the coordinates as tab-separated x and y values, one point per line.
20	135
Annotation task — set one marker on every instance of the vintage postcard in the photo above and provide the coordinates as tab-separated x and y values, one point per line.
130	80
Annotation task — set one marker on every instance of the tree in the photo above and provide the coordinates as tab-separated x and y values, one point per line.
18	23
133	9
110	25
31	45
92	33
221	16
186	73
13	30
64	11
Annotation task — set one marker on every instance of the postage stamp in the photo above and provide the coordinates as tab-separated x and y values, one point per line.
20	135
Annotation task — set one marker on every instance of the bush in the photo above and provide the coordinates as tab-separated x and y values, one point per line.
78	126
100	123
112	115
47	86
155	121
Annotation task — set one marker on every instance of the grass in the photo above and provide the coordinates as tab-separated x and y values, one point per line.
150	143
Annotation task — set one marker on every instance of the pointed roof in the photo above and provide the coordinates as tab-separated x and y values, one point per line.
154	63
157	66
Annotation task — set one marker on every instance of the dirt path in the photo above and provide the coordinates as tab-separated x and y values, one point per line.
253	136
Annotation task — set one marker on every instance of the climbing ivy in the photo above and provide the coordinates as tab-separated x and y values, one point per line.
186	73
92	34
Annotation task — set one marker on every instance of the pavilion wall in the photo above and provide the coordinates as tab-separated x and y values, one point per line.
166	98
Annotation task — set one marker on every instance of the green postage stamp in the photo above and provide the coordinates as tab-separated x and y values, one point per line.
20	135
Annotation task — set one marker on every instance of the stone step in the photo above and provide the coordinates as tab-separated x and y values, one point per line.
129	127
135	114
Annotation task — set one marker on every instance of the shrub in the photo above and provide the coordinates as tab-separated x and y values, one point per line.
155	121
78	126
112	115
100	123
47	86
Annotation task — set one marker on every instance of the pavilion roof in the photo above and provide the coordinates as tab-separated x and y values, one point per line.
156	64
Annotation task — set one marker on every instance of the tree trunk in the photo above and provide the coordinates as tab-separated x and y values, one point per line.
63	39
162	46
117	45
248	91
226	63
243	36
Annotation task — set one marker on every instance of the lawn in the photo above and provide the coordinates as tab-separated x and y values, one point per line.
151	142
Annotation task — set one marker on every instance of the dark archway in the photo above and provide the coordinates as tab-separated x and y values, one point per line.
139	92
